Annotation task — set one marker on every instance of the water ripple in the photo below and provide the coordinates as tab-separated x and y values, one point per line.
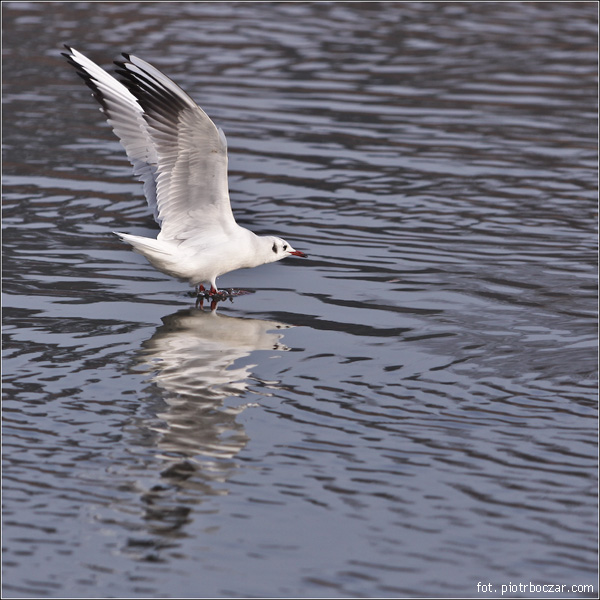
409	411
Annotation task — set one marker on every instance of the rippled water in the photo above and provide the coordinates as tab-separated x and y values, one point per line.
410	411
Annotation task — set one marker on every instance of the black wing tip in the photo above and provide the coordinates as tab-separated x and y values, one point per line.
151	94
70	49
119	63
126	60
88	79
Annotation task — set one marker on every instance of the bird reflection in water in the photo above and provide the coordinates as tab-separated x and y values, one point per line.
192	360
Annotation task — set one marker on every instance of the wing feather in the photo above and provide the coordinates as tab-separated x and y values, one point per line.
176	150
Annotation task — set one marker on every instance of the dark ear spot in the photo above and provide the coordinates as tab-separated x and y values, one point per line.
274	248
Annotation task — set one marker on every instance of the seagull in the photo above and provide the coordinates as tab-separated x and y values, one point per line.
181	158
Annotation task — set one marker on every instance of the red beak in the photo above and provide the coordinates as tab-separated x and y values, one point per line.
298	253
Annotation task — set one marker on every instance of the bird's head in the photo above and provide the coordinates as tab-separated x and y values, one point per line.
281	249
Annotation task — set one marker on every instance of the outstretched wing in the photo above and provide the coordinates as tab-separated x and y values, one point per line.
175	149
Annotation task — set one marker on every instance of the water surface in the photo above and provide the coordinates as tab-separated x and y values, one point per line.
408	412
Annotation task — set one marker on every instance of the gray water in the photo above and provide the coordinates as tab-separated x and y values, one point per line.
411	411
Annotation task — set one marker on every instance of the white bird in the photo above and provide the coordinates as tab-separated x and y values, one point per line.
181	157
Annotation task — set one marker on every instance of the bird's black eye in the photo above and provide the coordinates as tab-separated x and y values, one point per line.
275	248
285	246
